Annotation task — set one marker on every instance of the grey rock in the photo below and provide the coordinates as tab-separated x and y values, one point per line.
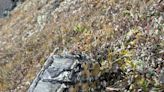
4	6
7	5
161	78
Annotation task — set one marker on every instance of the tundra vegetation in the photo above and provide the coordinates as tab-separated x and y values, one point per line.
125	36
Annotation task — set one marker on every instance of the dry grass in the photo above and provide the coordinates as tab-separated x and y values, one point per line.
78	30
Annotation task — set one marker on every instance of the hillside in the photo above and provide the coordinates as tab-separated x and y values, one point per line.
122	35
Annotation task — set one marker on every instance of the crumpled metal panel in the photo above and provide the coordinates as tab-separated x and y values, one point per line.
66	73
55	74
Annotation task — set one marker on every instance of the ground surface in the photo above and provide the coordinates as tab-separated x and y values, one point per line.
125	36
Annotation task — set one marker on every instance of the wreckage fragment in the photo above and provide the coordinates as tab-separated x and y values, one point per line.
70	73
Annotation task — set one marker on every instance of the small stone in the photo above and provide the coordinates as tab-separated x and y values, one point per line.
161	78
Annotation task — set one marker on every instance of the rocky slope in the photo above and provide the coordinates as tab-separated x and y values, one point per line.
122	35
